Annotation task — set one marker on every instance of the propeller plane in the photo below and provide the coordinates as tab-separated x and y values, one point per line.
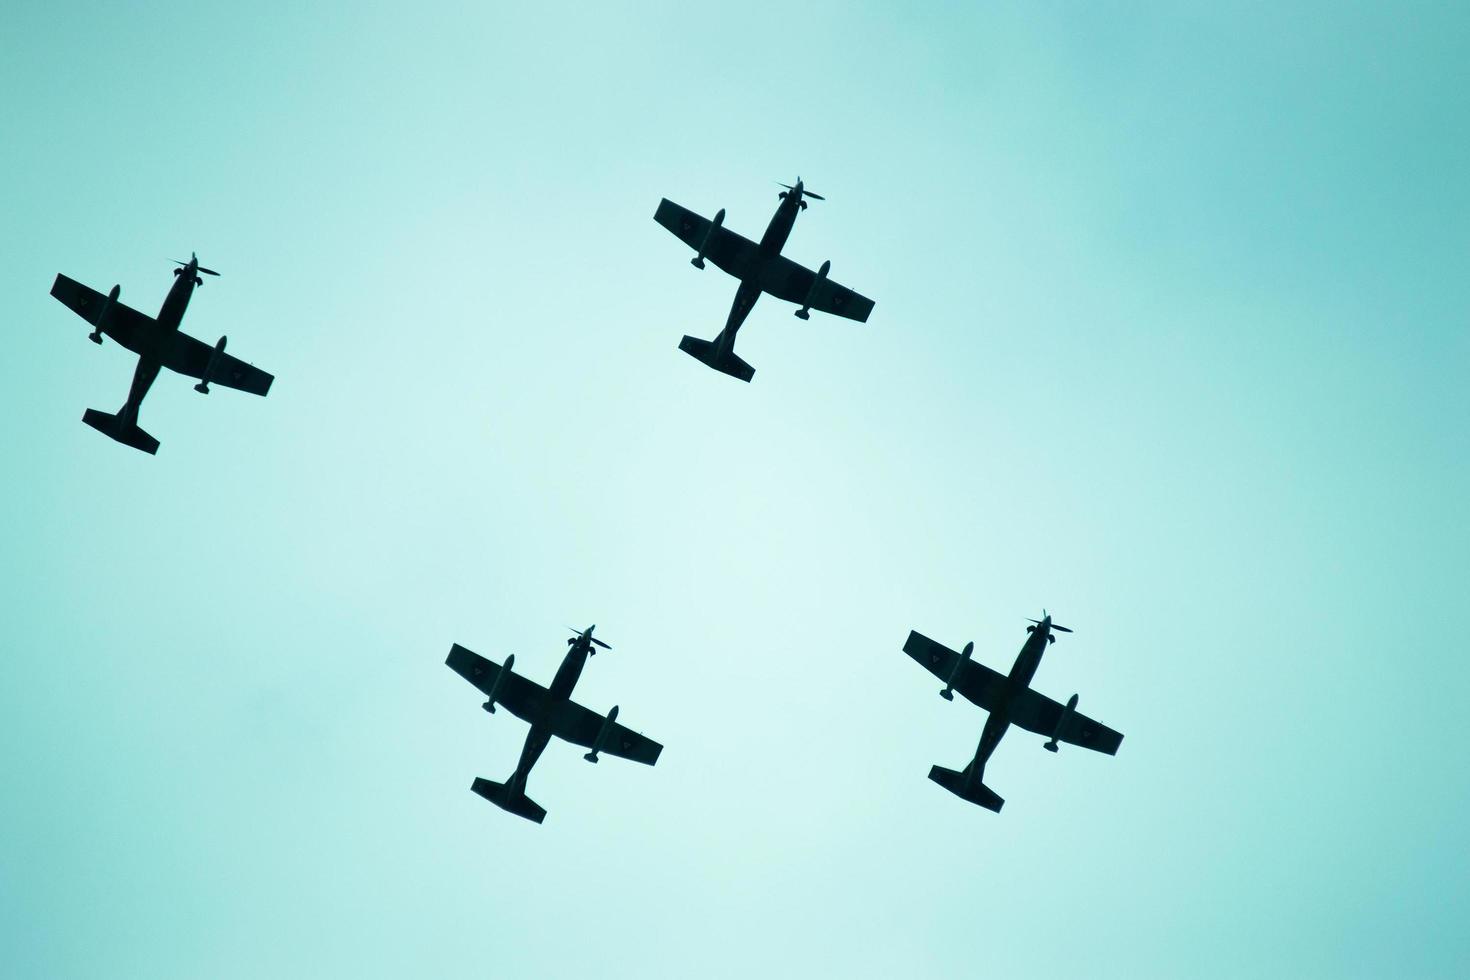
550	712
761	269
159	343
1011	701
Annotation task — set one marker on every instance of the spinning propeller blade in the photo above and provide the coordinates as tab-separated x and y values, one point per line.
207	272
804	191
587	633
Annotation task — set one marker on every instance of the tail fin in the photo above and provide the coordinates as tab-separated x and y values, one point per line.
977	792
721	360
518	803
112	426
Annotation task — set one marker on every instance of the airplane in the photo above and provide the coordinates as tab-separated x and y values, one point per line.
1010	701
760	269
159	344
549	712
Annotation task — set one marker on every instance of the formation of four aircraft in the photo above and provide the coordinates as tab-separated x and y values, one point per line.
760	268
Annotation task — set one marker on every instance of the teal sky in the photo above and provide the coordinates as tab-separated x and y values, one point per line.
1170	339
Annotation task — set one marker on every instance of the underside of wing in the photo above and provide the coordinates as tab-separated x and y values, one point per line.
1038	713
794	283
581	726
733	253
190	356
978	683
117	320
520	695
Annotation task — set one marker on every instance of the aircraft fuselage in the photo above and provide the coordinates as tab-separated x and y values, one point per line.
170	316
570	670
1029	659
770	247
540	720
780	227
1017	681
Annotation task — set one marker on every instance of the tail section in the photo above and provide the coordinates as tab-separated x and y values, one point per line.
502	796
976	792
717	356
113	427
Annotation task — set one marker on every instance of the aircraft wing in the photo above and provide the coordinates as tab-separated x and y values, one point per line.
187	355
787	280
1038	713
124	324
520	695
977	682
581	726
731	252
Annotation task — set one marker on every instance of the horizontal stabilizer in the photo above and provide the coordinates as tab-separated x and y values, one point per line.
518	803
113	427
710	353
977	792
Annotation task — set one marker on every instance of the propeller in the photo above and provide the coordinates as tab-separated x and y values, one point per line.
194	258
804	191
1038	622
588	634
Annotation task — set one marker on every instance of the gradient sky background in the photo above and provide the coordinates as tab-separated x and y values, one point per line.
1170	339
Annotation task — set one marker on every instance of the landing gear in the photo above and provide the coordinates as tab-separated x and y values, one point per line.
95	336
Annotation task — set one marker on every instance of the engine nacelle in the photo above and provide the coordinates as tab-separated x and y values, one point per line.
96	335
1051	746
602	733
709	236
954	673
811	294
489	704
215	356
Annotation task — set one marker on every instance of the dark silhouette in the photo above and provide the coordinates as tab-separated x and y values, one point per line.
1010	701
548	712
159	344
760	268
